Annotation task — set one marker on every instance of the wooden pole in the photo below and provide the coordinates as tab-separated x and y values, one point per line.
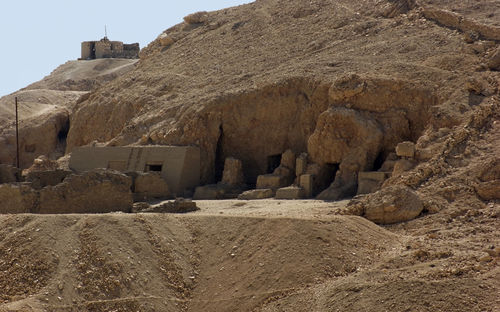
17	137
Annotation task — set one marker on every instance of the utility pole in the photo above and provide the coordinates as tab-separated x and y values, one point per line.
17	137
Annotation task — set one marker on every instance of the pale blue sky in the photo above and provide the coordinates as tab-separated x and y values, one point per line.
36	36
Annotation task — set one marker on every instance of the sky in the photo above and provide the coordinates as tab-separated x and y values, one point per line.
37	36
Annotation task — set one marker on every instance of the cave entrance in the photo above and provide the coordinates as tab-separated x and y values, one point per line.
379	161
62	135
219	156
325	177
273	162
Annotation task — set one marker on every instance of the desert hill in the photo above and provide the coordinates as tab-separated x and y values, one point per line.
45	106
344	81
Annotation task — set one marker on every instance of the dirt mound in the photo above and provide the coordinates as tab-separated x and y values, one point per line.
175	263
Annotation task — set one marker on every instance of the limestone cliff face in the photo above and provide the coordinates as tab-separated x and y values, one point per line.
343	80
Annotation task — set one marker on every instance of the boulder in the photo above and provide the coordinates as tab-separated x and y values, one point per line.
233	172
290	192
271	181
256	194
97	191
494	60
196	18
489	190
491	171
390	205
166	40
405	149
9	174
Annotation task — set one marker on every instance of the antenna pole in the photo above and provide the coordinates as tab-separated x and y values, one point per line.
17	136
105	31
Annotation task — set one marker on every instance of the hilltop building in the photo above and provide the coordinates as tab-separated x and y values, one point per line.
106	48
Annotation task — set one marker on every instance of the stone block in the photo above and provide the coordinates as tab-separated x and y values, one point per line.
301	164
405	149
288	160
306	182
233	172
290	192
271	181
256	194
150	185
370	182
209	192
389	205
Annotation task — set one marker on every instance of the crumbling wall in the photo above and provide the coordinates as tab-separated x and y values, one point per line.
98	191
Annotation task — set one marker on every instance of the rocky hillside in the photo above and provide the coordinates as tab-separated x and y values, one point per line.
45	106
344	81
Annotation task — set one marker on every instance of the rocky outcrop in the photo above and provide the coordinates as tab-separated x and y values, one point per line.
457	21
389	205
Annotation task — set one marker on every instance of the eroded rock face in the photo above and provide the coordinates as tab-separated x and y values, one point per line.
40	135
390	205
343	133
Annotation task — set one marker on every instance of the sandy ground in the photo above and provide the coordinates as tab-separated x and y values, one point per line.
270	208
262	255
